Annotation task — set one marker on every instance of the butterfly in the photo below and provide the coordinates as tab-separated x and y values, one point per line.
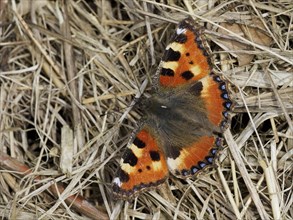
184	118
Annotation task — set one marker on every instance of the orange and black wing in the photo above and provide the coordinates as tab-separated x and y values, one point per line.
186	62
142	166
185	58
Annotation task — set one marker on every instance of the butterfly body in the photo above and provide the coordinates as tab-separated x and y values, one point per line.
183	120
172	117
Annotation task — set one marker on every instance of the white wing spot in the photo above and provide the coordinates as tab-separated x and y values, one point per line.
180	31
117	181
172	164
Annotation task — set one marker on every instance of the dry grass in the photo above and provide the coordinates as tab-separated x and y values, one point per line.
68	77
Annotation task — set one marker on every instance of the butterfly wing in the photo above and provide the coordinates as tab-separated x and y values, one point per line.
186	62
142	166
185	58
189	160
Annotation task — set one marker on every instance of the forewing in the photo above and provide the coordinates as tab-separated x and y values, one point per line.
185	58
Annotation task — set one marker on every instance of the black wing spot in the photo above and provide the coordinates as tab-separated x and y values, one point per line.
187	54
171	55
167	72
139	143
129	158
123	176
155	155
148	167
187	75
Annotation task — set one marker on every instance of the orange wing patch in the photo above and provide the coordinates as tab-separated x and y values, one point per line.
194	158
142	166
217	101
185	58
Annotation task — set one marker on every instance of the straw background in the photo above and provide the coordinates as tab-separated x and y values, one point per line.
70	73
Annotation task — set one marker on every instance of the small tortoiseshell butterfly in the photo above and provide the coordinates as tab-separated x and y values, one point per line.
184	118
